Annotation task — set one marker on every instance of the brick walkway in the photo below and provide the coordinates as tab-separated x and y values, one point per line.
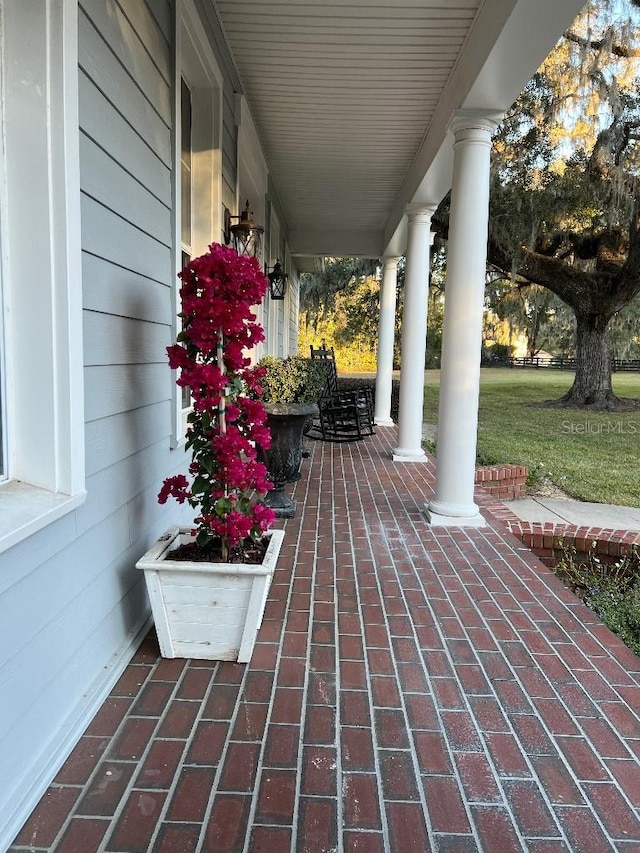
411	690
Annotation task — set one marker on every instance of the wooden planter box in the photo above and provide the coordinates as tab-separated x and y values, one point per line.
210	611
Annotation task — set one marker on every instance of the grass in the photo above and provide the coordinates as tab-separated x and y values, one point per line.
593	456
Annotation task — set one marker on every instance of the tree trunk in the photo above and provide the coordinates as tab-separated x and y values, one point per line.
592	383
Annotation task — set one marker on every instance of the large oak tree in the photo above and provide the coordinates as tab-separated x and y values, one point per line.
565	209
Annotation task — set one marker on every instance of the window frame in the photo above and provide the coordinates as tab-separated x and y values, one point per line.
194	62
40	267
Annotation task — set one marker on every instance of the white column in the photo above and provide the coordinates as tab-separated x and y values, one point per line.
386	334
414	335
463	317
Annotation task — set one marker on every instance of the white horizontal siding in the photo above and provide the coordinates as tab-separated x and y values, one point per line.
154	31
106	181
112	389
163	14
111	238
132	34
148	520
112	289
140	478
71	600
110	339
80	574
31	553
78	624
110	440
122	90
95	623
104	124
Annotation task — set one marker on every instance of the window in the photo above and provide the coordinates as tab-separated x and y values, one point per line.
185	165
186	193
198	162
40	269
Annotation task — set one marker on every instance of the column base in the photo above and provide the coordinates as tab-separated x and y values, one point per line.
470	518
385	422
404	454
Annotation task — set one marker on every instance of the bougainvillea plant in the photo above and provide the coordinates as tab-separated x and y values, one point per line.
226	421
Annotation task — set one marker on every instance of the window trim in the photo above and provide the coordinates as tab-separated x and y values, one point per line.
194	61
42	307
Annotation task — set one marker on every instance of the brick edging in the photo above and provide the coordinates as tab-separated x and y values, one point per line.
547	540
507	482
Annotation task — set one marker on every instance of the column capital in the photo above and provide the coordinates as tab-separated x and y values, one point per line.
390	261
420	212
484	121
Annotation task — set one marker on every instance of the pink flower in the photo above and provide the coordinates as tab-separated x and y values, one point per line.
264	516
253	410
262	436
178	357
177	487
232	412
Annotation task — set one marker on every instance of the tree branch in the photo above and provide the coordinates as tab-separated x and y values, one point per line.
622	50
572	285
629	286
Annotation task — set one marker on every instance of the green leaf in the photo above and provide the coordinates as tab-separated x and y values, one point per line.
222	506
202	538
199	485
243	504
207	463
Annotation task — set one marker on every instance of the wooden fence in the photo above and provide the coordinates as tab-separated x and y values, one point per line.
558	363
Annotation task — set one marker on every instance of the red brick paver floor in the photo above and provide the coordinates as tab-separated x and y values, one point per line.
411	690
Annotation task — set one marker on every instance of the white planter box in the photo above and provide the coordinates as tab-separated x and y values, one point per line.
210	611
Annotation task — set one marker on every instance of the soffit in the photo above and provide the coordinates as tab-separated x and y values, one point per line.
352	99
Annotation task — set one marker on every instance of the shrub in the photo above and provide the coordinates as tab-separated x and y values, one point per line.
620	611
612	590
291	380
583	575
354	383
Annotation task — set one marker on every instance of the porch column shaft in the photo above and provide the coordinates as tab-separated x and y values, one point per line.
386	334
414	336
462	329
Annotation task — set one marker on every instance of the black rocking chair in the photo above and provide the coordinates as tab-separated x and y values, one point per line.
343	415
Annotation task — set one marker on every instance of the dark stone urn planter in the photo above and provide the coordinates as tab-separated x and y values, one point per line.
284	458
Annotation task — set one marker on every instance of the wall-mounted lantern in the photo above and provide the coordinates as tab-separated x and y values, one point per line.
277	281
245	235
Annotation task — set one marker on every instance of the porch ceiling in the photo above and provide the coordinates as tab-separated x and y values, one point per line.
352	100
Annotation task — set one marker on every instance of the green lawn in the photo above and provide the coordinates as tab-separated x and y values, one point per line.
592	456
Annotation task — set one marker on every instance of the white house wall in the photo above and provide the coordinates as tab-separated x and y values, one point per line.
72	605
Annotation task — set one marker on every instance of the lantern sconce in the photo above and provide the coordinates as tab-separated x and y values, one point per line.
277	281
245	235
